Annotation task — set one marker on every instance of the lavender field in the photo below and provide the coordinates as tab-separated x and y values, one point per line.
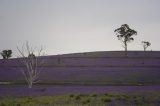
96	72
97	68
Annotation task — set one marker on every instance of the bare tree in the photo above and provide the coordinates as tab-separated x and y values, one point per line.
124	33
31	62
146	44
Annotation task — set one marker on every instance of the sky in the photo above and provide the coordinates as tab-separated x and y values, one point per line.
72	26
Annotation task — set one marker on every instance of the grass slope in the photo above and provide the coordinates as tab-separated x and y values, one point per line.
106	99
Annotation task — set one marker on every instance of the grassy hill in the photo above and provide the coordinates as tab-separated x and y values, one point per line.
92	68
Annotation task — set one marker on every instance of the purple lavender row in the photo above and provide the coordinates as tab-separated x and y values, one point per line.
16	91
87	74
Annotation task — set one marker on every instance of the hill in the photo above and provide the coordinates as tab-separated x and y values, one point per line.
92	68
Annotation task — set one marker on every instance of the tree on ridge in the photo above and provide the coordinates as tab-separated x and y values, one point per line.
124	34
6	54
146	44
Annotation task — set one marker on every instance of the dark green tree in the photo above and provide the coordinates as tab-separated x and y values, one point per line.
124	34
146	44
6	54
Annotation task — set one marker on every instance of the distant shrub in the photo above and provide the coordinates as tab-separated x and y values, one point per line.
144	100
83	95
18	105
29	98
107	94
122	98
106	100
135	97
71	95
2	104
86	101
78	97
125	97
137	102
94	95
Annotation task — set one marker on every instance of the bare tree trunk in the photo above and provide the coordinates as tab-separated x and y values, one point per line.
125	47
144	48
30	85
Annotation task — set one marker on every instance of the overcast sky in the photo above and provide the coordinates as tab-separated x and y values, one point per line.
69	26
